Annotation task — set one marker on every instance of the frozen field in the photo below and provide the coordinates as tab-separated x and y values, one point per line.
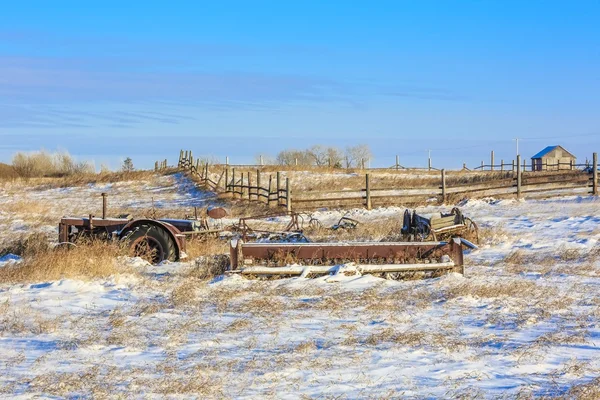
522	322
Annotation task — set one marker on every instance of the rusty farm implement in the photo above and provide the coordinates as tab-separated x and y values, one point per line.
159	240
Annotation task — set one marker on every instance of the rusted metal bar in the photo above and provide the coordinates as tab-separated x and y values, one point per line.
418	255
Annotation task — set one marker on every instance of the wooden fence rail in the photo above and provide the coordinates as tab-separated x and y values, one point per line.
273	190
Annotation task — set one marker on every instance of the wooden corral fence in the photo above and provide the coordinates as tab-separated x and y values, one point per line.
277	191
272	191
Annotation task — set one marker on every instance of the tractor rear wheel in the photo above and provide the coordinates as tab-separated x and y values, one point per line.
152	243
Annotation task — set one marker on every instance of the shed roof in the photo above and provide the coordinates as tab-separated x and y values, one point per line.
549	149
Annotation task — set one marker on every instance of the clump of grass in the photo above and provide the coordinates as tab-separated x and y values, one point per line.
44	164
26	245
206	246
185	294
87	260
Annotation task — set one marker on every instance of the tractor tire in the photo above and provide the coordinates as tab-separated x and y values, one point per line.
152	243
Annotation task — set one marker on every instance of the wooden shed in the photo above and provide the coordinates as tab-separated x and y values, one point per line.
553	158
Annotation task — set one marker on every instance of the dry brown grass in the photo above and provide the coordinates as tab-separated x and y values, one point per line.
7	172
206	246
88	260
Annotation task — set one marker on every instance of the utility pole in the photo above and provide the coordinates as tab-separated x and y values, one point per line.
429	159
517	140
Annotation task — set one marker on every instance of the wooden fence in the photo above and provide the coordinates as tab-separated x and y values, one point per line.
240	185
516	182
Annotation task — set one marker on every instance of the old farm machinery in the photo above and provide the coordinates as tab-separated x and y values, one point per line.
431	245
391	260
156	240
439	227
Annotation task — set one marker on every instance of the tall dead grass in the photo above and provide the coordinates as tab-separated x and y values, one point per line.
87	260
45	164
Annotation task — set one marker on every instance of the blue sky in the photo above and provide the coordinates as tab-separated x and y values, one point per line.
238	78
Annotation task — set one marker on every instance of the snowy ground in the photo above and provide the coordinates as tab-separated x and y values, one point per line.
523	321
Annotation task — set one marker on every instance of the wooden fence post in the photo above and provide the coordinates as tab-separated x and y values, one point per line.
443	185
233	189
226	178
513	165
429	163
518	176
482	166
180	158
501	165
156	166
492	165
368	190
288	195
595	174
270	187
278	187
249	187
397	163
524	165
258	188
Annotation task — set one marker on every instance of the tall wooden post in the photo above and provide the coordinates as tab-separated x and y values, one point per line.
226	178
524	165
258	191
513	165
226	160
595	174
482	165
288	195
249	187
270	187
156	166
165	163
180	158
518	176
185	159
197	164
501	165
397	163
368	190
278	187
429	163
233	189
492	157
443	185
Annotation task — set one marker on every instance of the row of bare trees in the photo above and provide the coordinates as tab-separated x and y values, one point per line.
325	156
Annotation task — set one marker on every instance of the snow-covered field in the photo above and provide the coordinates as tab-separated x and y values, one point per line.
522	322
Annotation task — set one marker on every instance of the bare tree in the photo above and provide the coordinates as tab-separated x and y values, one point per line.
318	155
356	155
334	157
291	157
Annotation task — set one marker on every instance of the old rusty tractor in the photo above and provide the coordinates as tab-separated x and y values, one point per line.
156	240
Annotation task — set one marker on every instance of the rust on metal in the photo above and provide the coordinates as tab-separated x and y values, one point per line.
274	255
